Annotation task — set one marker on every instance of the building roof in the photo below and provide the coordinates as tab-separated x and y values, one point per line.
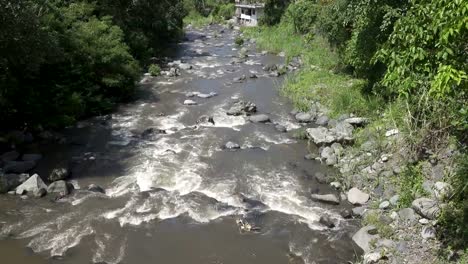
254	6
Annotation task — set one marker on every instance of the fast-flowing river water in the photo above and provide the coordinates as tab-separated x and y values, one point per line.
175	197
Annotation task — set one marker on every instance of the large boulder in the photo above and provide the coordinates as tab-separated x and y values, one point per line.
321	135
305	117
241	108
11	181
61	187
326	198
365	236
31	185
261	118
58	174
19	166
357	197
328	155
426	207
407	215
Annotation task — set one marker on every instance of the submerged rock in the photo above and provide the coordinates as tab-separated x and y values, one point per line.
40	193
232	145
241	108
96	188
326	198
190	102
261	118
281	128
206	119
31	185
327	221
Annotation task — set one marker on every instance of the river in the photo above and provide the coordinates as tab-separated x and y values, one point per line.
175	197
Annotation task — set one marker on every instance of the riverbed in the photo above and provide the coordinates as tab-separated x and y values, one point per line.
176	197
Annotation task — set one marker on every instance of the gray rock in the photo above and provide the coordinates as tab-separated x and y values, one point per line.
58	174
442	190
357	197
31	157
190	94
253	76
40	193
424	221
190	102
10	156
60	187
337	148
327	221
343	131
426	207
321	135
407	215
321	177
364	237
95	188
428	186
359	211
428	232
173	72
336	185
356	121
329	156
239	79
384	205
205	119
394	199
322	120
281	128
346	213
232	145
270	67
242	107
31	185
11	181
261	118
304	117
392	132
205	96
326	198
19	166
373	257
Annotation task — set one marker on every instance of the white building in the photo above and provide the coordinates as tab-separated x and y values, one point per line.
248	14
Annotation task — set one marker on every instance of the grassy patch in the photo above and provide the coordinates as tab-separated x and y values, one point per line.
373	218
197	20
277	39
410	185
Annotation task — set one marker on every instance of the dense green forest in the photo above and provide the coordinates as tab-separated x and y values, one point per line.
64	60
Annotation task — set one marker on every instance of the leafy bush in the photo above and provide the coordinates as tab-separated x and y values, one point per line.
274	10
154	70
239	41
225	11
302	15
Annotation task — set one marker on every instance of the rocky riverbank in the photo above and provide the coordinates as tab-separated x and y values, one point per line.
398	227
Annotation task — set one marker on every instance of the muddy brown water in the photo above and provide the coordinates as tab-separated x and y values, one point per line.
175	197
